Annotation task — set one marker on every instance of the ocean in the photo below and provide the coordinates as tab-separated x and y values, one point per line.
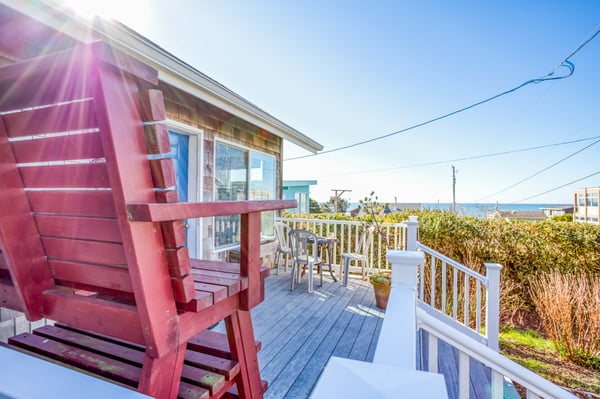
480	210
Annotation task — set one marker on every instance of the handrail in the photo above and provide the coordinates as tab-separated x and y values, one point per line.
452	262
499	364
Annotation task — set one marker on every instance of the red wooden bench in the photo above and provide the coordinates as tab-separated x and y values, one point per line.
92	234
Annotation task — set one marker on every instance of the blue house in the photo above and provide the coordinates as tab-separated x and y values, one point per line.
300	191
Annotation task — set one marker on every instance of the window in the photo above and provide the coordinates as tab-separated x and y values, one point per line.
241	174
592	199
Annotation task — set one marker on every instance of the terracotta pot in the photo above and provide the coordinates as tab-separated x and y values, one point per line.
382	294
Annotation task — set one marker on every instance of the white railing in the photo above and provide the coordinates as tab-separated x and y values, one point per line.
461	293
501	367
399	319
348	234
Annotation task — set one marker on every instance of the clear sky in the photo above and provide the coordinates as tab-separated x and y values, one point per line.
344	71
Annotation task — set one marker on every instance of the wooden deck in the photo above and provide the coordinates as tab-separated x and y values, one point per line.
301	331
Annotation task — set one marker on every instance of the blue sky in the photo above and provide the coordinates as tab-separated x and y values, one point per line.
346	71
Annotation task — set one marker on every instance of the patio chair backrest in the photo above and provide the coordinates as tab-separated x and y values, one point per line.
304	245
281	235
365	241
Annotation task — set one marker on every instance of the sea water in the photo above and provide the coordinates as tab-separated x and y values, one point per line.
480	210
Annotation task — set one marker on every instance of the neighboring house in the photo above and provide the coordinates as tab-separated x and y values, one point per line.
518	215
224	147
552	211
300	191
586	205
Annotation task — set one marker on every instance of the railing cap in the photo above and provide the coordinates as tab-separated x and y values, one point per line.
405	257
493	266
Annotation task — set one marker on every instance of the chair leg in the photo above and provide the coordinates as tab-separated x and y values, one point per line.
346	270
321	274
160	377
293	274
240	335
310	267
277	262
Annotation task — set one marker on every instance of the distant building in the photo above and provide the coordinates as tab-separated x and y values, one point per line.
518	215
552	211
300	191
586	205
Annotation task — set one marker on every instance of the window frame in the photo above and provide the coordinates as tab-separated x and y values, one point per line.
248	152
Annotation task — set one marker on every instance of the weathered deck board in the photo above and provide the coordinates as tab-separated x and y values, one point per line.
300	331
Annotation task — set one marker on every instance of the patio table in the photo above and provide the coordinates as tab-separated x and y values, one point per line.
327	243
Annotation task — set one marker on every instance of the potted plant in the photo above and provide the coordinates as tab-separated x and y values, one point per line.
382	280
382	283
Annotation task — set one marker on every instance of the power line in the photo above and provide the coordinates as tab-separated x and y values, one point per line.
557	188
549	76
469	158
540	171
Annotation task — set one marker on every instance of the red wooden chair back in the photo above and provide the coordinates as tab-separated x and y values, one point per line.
84	237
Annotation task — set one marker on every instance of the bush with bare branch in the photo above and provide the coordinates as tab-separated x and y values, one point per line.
569	307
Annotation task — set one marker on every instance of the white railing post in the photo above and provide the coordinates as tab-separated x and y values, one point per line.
397	344
492	313
412	225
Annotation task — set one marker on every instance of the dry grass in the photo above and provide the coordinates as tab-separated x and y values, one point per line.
569	305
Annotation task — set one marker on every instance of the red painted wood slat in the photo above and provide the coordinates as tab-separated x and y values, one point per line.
85	228
250	260
86	360
152	212
89	175
163	172
95	314
124	146
85	203
174	234
242	344
76	146
153	106
51	85
183	288
232	285
60	118
103	253
157	138
178	261
25	257
89	275
218	292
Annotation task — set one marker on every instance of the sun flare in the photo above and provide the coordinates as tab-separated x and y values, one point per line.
129	11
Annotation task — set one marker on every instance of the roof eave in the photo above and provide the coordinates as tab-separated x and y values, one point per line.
171	69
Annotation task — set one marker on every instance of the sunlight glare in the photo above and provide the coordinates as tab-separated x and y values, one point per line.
123	11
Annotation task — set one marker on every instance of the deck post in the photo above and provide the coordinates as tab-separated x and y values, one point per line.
412	226
492	314
397	343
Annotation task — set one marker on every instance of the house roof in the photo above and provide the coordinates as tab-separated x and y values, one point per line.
171	69
299	183
521	214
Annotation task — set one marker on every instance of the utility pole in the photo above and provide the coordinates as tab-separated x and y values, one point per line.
454	189
337	195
